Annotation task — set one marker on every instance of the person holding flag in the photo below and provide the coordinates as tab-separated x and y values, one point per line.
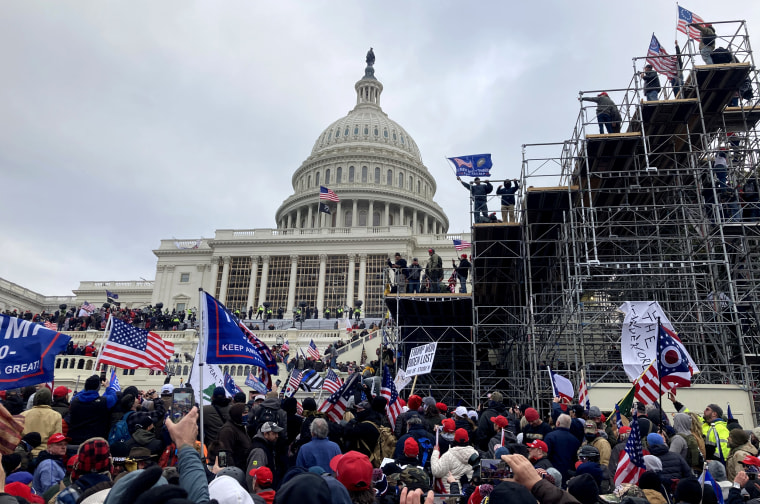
478	193
90	413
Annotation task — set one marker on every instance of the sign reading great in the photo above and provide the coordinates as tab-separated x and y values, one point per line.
27	352
421	360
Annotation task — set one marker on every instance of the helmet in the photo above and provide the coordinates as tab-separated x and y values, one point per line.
589	452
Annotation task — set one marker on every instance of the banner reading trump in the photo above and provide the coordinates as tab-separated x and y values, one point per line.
475	165
27	352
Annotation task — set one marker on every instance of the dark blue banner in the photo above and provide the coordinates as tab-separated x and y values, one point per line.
27	352
226	342
475	165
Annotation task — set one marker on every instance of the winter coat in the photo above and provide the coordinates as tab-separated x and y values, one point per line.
214	417
454	460
90	415
733	465
485	426
674	466
233	439
282	417
563	447
547	493
43	419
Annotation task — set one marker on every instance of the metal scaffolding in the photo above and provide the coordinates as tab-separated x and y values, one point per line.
642	214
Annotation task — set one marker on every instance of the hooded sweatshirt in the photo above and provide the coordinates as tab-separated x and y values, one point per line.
90	415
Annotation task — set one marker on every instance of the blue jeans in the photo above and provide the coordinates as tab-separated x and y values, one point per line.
413	287
604	120
652	95
462	283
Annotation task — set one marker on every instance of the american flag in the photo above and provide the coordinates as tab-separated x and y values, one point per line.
388	390
310	380
583	399
332	382
312	350
648	385
461	245
328	194
11	427
660	61
51	325
293	383
285	347
631	462
130	347
335	405
299	407
685	18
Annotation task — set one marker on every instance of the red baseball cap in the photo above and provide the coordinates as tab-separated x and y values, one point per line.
461	436
442	407
448	425
262	474
624	429
500	421
61	391
353	469
540	445
57	438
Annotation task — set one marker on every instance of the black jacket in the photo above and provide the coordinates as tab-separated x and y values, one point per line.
673	465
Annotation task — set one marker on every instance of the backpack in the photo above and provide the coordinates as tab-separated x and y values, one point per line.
264	415
385	446
120	431
426	448
693	456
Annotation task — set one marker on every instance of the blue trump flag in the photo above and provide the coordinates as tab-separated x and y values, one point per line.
230	386
27	352
225	341
474	165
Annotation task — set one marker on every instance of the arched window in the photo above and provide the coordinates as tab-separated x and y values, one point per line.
389	178
401	179
350	174
316	179
376	218
363	218
308	181
366	130
411	183
337	132
327	176
345	133
184	370
385	133
232	371
377	175
339	176
390	219
356	130
348	218
364	174
377	132
418	185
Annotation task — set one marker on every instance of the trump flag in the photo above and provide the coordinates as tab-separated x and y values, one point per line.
474	165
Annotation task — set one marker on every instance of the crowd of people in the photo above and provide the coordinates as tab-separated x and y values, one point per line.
123	446
413	278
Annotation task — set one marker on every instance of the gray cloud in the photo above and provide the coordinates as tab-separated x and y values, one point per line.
125	123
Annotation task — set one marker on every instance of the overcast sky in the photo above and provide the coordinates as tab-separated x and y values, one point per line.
122	123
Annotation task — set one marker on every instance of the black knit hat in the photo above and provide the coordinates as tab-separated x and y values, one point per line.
92	383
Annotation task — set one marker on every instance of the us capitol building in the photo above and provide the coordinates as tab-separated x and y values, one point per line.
311	258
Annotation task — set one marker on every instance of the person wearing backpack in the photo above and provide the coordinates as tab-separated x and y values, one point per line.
269	410
685	444
416	430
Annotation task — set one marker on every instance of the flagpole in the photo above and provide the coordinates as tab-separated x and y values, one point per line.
551	380
201	355
659	373
106	335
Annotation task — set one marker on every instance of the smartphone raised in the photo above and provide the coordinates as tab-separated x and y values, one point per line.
494	470
182	402
221	459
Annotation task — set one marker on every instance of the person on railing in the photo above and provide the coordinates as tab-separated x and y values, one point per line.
414	272
706	42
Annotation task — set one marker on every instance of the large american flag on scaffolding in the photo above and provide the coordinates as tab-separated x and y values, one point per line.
660	60
685	18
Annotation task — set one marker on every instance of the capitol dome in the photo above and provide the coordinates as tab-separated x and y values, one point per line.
375	168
